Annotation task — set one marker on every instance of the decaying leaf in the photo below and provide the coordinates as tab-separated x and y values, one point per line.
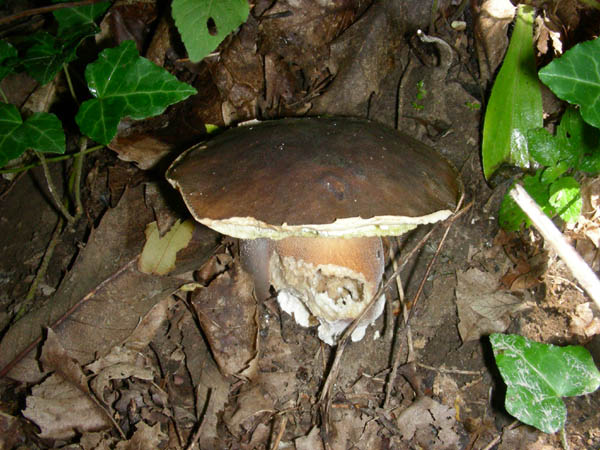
63	405
482	308
144	437
227	312
158	256
425	413
62	410
491	26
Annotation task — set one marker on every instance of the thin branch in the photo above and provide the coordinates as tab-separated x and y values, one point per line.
45	9
51	160
52	189
42	269
578	267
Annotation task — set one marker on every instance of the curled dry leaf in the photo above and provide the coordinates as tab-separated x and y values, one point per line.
490	30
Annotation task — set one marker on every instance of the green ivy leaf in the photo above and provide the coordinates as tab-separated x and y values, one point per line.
47	54
78	16
125	85
515	104
511	216
565	197
7	59
203	24
42	132
575	77
538	375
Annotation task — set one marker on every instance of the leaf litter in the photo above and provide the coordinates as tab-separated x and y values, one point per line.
195	402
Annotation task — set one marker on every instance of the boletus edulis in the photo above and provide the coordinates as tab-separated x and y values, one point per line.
309	200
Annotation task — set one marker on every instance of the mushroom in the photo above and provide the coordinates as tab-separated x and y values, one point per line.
310	199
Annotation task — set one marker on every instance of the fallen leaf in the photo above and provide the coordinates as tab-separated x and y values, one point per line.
226	311
100	302
62	410
144	437
429	421
159	253
482	309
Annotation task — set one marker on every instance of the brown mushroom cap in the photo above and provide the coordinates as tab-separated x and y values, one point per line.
315	176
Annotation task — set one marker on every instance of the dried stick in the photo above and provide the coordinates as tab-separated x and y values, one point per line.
45	9
578	267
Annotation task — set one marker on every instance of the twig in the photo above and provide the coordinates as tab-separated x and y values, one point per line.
454	371
45	9
497	439
42	269
277	440
52	189
50	160
578	267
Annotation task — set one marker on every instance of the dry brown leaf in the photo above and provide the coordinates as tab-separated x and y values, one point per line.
429	421
312	441
491	34
62	410
547	33
227	312
104	295
482	309
144	437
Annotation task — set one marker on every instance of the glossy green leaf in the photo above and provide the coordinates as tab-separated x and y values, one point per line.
538	375
78	16
7	58
565	197
511	216
47	54
125	85
203	24
576	145
515	104
42	132
575	77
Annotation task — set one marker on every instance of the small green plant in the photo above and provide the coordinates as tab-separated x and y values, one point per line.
538	375
473	106
121	84
513	131
421	94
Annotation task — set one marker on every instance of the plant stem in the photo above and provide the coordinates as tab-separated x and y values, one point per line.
52	189
70	82
76	179
563	438
3	96
51	160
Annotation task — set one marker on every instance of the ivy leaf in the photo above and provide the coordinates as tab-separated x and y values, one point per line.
47	54
515	104
575	77
538	375
7	59
511	216
203	24
125	85
565	197
42	132
78	16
